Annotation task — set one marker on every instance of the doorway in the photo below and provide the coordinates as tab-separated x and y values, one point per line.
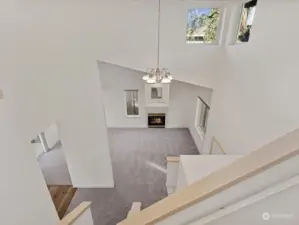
49	153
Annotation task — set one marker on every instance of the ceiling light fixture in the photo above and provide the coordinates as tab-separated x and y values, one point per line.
158	75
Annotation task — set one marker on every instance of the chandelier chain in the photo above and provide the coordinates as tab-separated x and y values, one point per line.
158	75
159	26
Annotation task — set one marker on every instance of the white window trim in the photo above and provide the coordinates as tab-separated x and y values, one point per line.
156	99
165	93
132	116
232	17
125	101
219	28
200	132
239	26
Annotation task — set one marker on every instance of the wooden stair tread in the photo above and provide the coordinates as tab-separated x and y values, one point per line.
62	196
66	202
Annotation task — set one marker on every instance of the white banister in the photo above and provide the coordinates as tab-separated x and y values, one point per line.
81	215
248	201
271	163
172	173
136	207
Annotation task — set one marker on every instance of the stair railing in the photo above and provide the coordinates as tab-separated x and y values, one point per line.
268	156
213	141
75	215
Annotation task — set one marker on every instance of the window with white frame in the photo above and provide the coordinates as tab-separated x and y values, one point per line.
202	114
132	107
247	17
156	92
202	25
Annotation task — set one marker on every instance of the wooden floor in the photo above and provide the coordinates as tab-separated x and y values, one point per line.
62	196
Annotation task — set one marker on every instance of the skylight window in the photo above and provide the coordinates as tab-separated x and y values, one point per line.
202	25
247	18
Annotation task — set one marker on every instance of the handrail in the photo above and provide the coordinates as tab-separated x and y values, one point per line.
75	214
256	162
203	101
262	195
214	140
173	159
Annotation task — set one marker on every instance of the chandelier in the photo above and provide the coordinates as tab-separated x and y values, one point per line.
158	75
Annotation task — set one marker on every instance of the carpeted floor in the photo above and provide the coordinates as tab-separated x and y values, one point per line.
139	167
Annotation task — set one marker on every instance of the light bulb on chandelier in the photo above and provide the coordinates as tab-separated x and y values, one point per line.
157	76
165	80
145	77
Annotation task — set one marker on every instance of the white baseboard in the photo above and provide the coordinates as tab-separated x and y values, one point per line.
144	126
94	186
139	126
177	127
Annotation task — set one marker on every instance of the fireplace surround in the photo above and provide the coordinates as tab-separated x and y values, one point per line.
156	120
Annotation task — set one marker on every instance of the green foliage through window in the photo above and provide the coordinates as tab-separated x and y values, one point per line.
247	18
202	25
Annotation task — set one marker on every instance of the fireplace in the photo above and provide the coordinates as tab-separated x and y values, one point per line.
156	120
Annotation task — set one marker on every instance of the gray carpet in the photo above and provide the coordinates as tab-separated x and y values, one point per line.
139	167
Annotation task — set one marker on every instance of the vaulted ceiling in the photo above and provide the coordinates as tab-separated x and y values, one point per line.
122	32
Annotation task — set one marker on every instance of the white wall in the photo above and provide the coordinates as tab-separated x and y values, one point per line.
255	100
38	149
115	80
182	101
80	26
182	107
51	134
84	133
48	75
25	198
192	63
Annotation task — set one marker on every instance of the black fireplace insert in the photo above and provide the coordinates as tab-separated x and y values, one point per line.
156	120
